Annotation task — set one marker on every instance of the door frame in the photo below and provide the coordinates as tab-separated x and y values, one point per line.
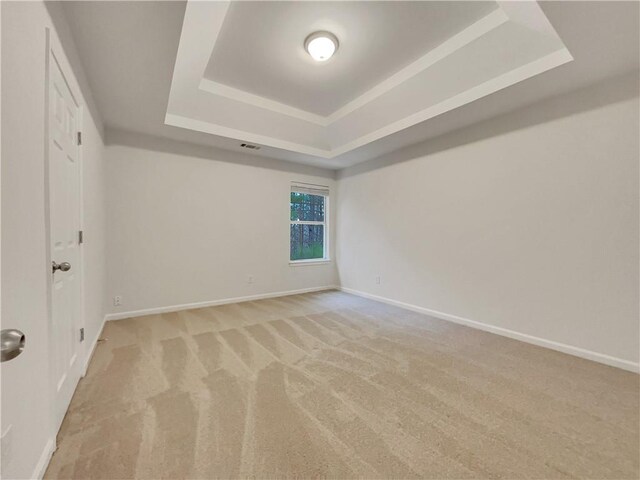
54	54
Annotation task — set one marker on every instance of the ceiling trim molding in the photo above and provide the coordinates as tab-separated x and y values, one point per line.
215	129
261	102
203	105
507	79
476	30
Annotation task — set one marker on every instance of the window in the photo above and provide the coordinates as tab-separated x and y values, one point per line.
308	223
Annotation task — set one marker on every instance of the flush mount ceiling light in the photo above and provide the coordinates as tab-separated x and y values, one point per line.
321	45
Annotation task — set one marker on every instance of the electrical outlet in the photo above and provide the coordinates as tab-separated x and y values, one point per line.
250	279
117	300
378	280
5	445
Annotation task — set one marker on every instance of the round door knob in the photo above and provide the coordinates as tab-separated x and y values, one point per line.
64	266
12	344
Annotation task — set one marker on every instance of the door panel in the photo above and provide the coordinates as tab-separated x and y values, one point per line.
64	214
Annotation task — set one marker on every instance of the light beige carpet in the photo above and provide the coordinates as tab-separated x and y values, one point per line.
329	385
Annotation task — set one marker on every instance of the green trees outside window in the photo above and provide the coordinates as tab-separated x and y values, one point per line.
307	234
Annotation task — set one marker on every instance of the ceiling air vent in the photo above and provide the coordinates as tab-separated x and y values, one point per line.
250	146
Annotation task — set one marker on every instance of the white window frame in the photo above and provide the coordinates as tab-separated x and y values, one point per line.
307	188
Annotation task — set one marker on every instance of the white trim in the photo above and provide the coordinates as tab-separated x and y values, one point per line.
473	32
212	303
524	72
215	129
201	27
306	222
326	258
47	230
505	332
481	27
311	261
262	102
45	458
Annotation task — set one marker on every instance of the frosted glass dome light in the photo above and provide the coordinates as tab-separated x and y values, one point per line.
321	45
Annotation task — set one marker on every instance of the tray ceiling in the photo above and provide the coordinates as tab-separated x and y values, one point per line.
260	49
241	71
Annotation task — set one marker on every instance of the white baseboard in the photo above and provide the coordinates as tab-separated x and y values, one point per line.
212	303
43	462
523	337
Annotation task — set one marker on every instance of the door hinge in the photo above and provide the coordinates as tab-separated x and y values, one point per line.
79	138
80	237
82	334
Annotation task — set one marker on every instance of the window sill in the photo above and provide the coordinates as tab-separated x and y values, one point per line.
302	263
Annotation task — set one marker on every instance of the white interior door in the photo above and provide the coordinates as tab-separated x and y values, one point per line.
64	215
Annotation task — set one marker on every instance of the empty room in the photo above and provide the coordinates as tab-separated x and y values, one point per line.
320	239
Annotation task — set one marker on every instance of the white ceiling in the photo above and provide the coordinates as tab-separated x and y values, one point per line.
376	40
129	50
